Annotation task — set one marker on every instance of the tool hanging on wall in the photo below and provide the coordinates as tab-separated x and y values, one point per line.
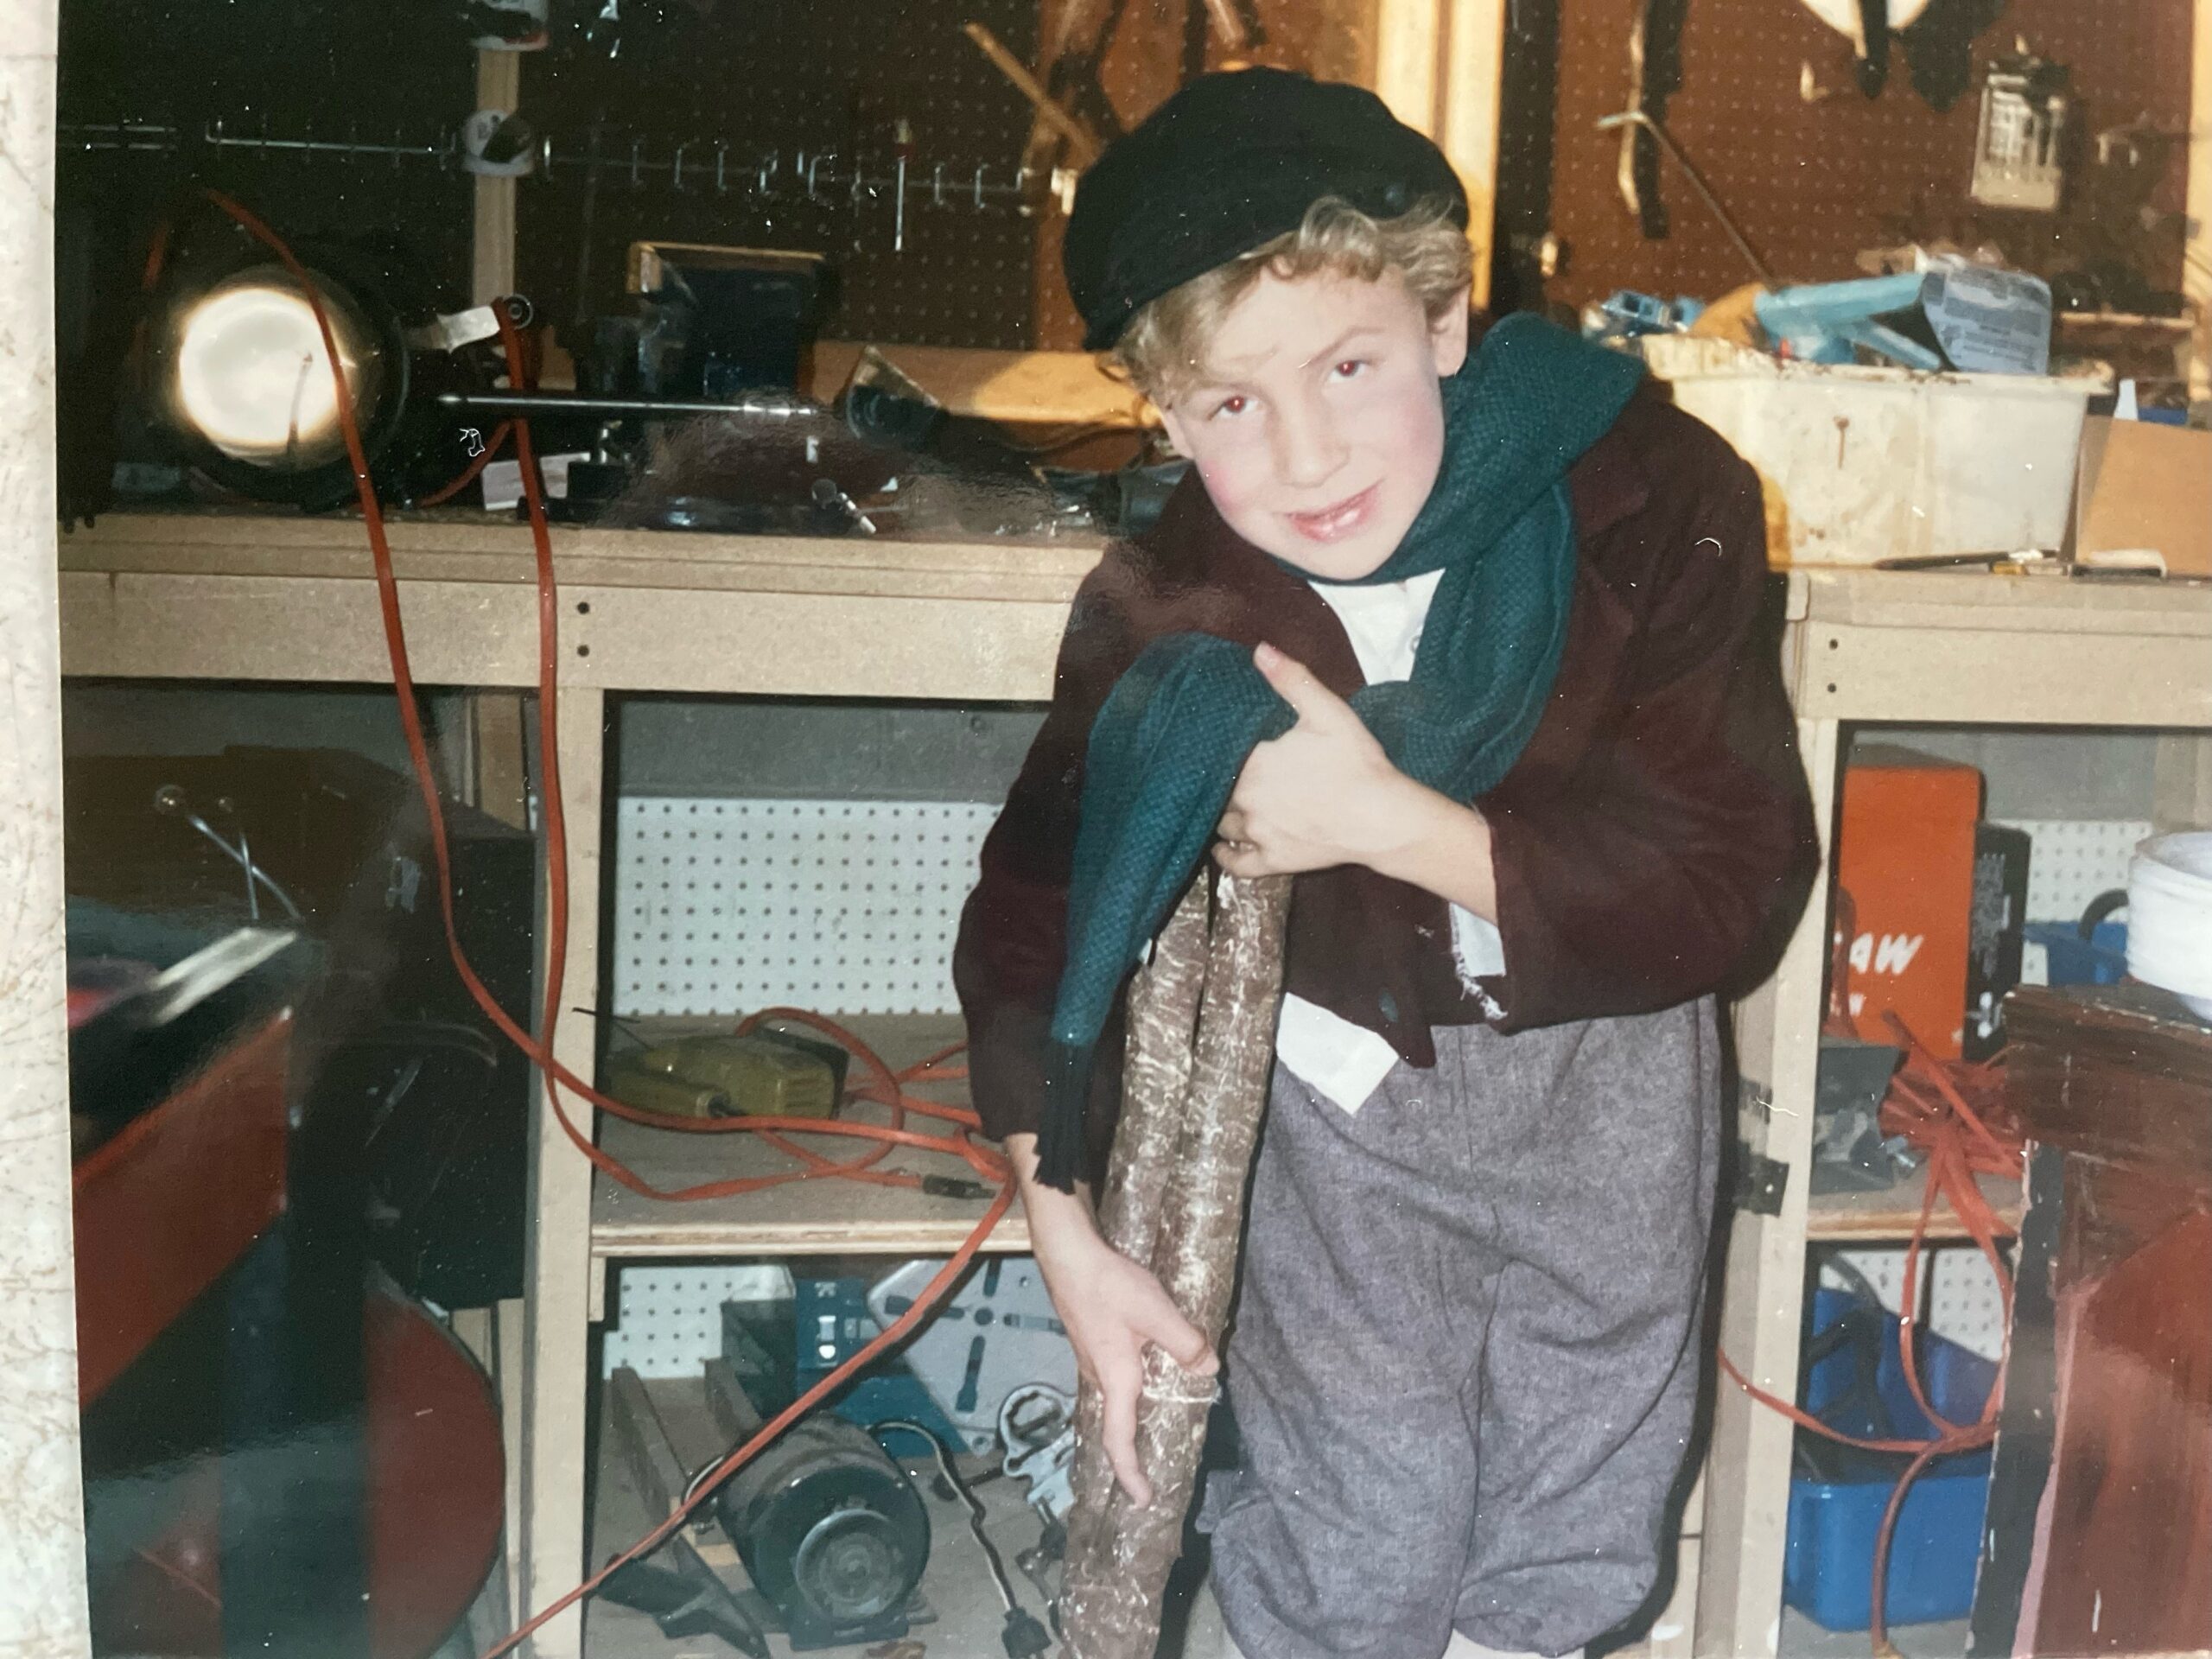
1868	24
1873	44
1936	36
1655	62
2019	158
1638	119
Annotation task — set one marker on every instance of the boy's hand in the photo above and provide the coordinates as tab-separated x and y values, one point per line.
1111	1306
1322	794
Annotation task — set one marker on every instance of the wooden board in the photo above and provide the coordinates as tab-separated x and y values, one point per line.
2117	1073
558	1259
280	597
492	258
1890	1216
1993	650
1747	1484
2196	266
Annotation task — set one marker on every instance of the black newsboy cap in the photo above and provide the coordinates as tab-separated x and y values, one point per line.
1229	162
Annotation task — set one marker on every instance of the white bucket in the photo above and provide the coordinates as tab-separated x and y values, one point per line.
2170	916
1861	464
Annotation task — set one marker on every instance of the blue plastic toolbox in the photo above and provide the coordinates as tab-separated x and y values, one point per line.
2100	959
1835	1517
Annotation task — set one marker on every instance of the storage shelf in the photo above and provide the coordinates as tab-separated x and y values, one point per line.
813	1217
821	1217
1889	1214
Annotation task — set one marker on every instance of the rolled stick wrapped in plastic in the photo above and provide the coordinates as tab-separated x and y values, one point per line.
1202	1037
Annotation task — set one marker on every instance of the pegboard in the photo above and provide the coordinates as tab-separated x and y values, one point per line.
1811	182
2073	859
846	906
334	74
1959	1293
1148	49
667	1321
829	80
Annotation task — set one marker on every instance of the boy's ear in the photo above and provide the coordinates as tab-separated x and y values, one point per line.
1447	336
1172	423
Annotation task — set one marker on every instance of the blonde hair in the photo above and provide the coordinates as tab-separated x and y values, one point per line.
1161	348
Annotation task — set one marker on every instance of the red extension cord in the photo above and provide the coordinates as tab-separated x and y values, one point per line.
882	1085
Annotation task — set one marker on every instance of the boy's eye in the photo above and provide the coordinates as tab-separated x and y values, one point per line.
1231	406
1349	367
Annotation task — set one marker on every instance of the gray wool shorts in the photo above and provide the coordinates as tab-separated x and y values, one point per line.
1465	1359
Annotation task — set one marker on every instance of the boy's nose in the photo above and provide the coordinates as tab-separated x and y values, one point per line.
1308	449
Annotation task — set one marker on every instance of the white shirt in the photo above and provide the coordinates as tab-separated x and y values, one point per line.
1345	1062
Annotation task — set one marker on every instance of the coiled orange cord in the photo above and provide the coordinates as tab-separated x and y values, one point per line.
1954	1113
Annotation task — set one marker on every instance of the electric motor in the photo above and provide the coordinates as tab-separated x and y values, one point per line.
831	1532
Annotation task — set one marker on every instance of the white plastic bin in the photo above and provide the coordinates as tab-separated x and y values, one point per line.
1860	464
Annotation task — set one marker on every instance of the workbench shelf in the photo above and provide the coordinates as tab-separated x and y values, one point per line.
198	597
811	1218
1888	1215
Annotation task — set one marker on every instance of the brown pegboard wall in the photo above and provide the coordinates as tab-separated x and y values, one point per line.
1153	47
279	67
826	80
1812	184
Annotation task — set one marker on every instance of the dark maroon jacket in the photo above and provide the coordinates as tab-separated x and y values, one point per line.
1654	836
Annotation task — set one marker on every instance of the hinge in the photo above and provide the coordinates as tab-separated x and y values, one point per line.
1760	1181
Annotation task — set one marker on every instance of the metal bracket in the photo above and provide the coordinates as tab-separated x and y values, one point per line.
1760	1181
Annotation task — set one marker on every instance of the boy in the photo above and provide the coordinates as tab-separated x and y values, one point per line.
1539	791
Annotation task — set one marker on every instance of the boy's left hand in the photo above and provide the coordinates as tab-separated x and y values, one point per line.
1322	794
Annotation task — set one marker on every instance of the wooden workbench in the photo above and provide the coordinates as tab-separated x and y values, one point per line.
282	598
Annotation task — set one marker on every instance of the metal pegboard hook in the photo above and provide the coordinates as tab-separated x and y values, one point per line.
637	165
813	168
937	184
982	167
721	163
676	167
769	165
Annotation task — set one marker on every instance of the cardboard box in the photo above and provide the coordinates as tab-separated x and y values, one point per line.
1905	856
2142	485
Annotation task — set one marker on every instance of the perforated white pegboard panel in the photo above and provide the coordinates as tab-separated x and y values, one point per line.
1959	1291
721	906
2074	860
668	1319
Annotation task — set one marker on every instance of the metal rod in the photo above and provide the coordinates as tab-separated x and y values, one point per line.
216	138
906	178
1639	118
504	401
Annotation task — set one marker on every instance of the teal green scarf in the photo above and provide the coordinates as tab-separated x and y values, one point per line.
1167	746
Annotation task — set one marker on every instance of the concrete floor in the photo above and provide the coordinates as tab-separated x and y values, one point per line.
1802	1639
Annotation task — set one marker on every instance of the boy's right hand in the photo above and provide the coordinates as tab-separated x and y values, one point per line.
1111	1306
